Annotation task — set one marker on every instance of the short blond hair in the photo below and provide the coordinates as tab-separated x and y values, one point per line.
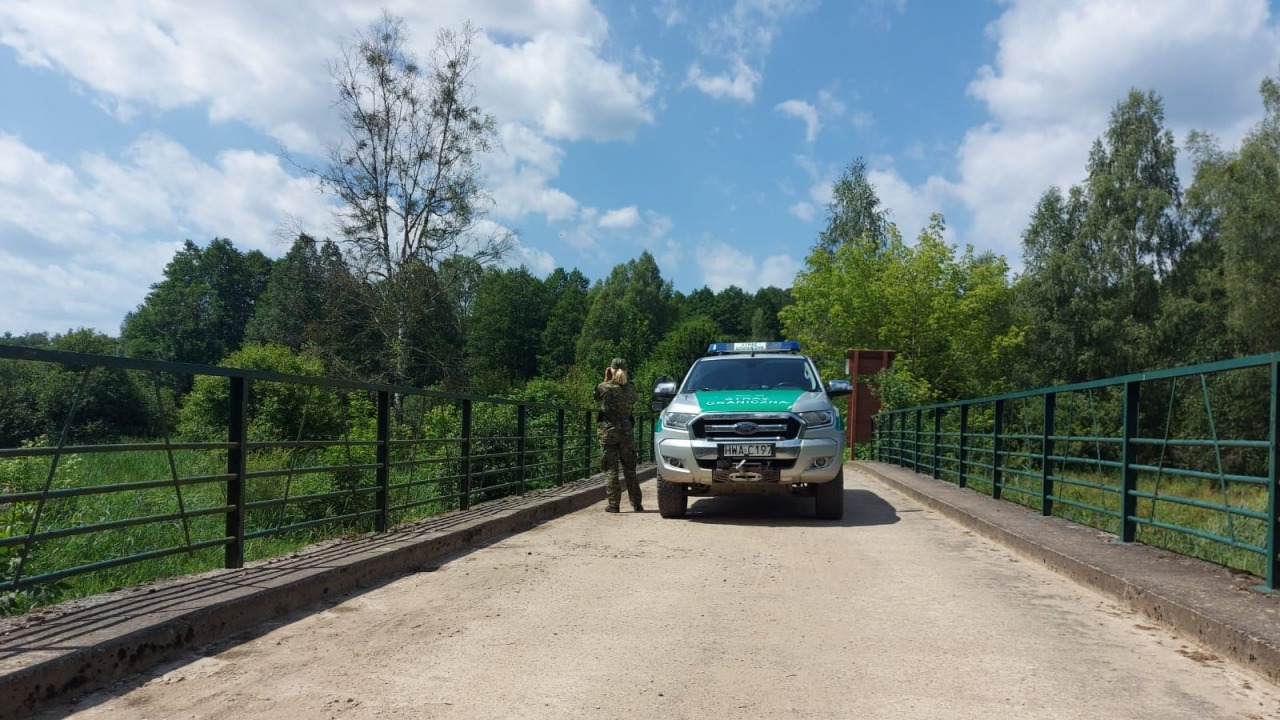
620	376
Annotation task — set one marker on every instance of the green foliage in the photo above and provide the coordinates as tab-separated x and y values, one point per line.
199	311
36	399
854	213
1096	258
677	352
313	303
277	410
1235	202
567	296
505	328
947	315
629	312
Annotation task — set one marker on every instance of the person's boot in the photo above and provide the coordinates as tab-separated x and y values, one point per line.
611	508
637	507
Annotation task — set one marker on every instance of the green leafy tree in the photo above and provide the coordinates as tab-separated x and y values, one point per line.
838	304
505	328
407	176
731	311
628	313
199	312
1235	204
277	411
764	309
677	351
699	302
311	303
1097	257
947	314
567	296
36	398
1056	294
854	212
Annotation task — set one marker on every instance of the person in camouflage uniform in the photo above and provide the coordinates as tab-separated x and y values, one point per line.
614	422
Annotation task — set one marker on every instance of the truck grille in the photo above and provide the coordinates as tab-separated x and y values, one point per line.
746	427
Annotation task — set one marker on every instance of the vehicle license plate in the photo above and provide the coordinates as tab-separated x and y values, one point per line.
740	450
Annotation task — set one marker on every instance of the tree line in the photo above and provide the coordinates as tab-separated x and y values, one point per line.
1122	273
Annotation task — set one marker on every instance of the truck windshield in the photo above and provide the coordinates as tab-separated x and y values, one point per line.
751	373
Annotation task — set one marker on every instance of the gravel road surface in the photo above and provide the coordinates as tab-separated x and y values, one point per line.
748	608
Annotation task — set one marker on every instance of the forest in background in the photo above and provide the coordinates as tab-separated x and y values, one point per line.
1125	272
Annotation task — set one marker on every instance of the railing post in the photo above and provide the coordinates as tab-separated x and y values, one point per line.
237	466
586	445
997	428
560	446
961	469
383	450
464	491
1129	475
1046	455
937	443
915	445
522	419
886	450
900	441
1273	494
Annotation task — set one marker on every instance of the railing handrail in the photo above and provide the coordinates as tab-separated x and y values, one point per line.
1113	479
1166	374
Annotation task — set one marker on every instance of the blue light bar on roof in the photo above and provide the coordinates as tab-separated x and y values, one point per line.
722	348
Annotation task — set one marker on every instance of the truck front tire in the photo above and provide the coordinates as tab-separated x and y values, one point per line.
828	498
673	499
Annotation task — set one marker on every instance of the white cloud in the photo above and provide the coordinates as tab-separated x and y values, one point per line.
740	38
1062	65
826	106
264	63
616	234
911	206
804	111
621	219
803	210
544	68
738	84
538	262
722	265
560	85
103	231
521	174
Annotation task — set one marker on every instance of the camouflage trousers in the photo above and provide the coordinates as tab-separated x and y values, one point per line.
620	456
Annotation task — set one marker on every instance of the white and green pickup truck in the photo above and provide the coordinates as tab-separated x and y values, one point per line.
750	417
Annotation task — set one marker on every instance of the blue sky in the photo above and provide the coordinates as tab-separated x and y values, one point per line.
708	133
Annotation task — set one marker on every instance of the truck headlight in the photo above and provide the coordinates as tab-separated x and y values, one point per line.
818	418
677	420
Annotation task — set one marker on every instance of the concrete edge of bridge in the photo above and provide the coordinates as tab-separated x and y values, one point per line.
1219	608
56	654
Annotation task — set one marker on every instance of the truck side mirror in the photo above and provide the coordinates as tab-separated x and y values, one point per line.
663	392
836	388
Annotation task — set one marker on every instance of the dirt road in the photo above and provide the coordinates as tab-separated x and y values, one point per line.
747	609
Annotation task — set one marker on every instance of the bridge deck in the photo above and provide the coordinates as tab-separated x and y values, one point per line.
75	649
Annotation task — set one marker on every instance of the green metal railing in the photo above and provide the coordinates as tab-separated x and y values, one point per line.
1183	459
103	515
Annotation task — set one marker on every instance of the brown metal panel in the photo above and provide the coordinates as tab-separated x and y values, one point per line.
861	365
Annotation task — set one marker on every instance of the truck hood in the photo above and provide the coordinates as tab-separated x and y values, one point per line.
782	400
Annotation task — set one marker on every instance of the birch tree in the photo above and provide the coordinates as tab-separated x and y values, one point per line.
406	172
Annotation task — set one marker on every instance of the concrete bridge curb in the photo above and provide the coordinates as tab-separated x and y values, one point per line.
1196	599
55	654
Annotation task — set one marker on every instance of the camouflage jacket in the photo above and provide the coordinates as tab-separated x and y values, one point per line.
616	402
